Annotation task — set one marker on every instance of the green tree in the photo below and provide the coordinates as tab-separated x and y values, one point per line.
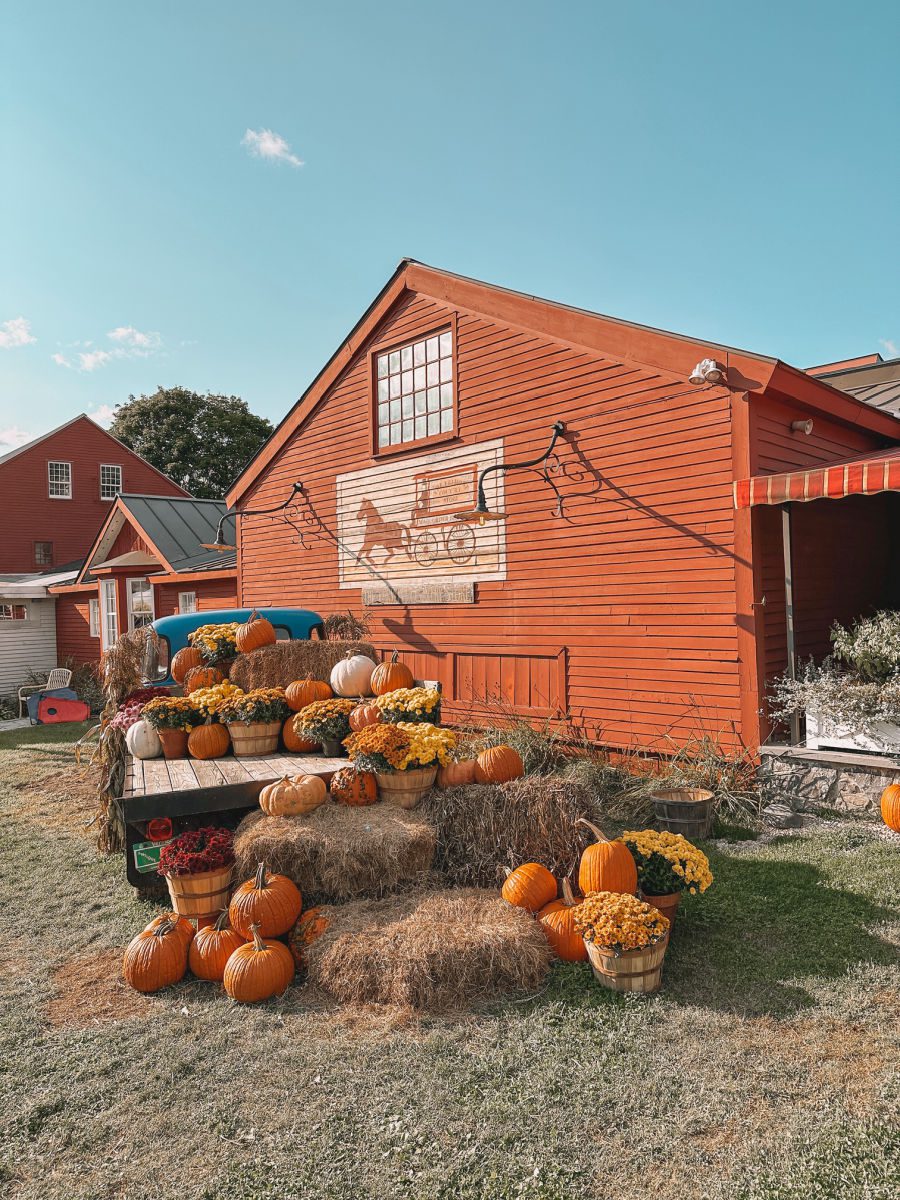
202	442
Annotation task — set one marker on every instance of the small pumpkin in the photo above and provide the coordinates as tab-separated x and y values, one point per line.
498	764
558	923
456	774
185	660
304	691
356	788
258	969
309	927
890	807
202	677
212	947
142	740
255	633
363	715
352	676
293	797
271	901
606	866
208	741
296	742
530	886
156	958
389	676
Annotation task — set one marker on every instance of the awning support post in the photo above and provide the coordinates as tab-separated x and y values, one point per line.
789	611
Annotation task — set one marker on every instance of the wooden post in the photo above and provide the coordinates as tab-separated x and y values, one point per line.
789	611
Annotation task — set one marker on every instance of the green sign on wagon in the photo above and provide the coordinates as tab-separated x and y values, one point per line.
146	856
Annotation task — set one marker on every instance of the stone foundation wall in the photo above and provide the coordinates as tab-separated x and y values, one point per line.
804	784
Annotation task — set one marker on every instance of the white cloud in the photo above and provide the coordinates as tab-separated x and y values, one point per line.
127	335
103	414
96	358
889	347
13	436
265	143
16	332
60	360
128	343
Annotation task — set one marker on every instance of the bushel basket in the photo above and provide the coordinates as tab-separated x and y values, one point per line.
688	811
630	971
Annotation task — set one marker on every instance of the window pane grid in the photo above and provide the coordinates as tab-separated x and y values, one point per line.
110	482
59	476
414	390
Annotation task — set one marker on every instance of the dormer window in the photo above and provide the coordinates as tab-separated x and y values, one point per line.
415	396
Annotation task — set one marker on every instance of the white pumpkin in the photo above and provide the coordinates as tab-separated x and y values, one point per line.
143	741
352	676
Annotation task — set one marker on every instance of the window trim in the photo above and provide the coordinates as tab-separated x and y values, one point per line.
60	462
37	561
115	467
187	611
434	439
128	599
94	617
12	606
106	612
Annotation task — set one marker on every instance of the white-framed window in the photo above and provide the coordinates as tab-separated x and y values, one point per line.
94	617
414	391
13	612
109	622
110	481
187	602
59	480
140	603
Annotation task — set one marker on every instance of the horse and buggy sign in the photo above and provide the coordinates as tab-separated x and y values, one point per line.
397	520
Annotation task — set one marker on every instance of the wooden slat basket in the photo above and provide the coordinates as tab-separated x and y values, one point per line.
631	971
688	811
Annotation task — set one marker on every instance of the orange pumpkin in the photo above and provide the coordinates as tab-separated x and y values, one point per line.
389	676
890	807
456	774
498	764
356	788
185	660
295	742
606	866
558	924
258	969
202	677
293	797
363	715
530	886
183	926
311	925
304	691
255	633
273	902
156	958
212	947
208	741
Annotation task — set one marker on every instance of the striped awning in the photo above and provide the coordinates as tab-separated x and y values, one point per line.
856	477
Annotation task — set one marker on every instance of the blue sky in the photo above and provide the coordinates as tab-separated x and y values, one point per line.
724	170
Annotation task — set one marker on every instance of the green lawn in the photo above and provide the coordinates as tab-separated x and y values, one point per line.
765	1069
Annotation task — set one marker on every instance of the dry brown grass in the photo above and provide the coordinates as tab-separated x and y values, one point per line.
281	664
481	828
339	853
435	951
89	990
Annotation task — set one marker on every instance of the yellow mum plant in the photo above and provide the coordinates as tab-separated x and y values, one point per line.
208	701
172	712
618	922
325	720
216	643
667	862
410	705
401	747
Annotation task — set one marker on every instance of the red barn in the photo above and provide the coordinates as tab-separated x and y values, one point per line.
636	578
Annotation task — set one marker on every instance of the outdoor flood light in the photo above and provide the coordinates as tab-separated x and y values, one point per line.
481	514
708	371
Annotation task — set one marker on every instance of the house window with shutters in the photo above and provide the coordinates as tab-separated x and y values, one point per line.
59	480
415	394
110	481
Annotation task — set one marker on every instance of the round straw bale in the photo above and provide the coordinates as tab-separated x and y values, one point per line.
429	950
281	664
336	852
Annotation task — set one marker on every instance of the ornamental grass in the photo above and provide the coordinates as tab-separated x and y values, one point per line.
406	746
667	862
410	705
325	720
433	951
618	922
281	664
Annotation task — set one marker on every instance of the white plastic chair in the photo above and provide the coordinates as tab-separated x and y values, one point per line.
59	677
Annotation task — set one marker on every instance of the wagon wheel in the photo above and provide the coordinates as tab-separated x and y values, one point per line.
426	549
460	542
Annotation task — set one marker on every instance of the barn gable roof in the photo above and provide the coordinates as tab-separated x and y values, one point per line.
627	341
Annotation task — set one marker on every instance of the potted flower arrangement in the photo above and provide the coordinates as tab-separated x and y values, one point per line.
132	707
254	720
197	866
173	718
667	865
416	704
210	701
217	643
326	722
852	699
625	939
404	757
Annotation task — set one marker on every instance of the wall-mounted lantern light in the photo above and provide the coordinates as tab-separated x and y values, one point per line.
481	514
221	546
802	426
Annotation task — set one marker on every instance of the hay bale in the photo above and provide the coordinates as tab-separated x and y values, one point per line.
481	828
429	950
281	664
338	853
